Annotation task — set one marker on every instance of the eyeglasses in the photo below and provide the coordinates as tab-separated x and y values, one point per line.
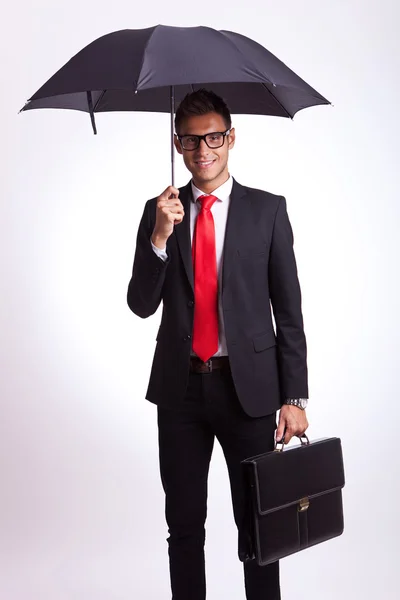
213	140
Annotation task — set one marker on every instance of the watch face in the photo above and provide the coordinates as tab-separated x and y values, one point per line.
303	403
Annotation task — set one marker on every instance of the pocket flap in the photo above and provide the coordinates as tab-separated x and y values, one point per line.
264	341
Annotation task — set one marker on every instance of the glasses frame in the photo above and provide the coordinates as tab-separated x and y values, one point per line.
203	137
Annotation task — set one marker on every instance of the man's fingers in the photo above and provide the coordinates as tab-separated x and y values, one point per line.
284	435
169	203
292	422
172	209
301	427
280	430
171	192
172	205
284	430
288	436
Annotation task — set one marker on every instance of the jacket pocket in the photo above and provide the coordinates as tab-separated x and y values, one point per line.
262	341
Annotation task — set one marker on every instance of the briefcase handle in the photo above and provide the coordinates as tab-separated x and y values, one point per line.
303	443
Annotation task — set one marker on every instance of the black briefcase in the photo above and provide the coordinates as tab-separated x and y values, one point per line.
294	499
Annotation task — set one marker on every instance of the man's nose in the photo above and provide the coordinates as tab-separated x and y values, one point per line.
203	145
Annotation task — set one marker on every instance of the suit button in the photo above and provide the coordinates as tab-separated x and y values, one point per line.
190	303
186	338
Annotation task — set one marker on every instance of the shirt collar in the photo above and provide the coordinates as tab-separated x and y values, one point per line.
222	192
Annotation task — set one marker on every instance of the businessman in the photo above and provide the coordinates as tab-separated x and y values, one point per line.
219	256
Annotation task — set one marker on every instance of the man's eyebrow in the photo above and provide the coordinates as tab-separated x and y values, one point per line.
200	134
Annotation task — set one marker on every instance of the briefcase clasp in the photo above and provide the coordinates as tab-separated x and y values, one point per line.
304	504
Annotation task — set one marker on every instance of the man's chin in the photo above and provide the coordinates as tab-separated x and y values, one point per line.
201	175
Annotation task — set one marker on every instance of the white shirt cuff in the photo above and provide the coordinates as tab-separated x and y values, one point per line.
161	252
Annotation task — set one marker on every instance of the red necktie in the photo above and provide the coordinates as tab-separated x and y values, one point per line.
205	328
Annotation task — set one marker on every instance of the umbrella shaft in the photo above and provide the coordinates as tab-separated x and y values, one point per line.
172	135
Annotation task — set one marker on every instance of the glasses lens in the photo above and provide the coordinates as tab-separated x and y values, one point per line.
215	140
189	142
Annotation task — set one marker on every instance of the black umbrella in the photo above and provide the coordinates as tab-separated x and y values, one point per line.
150	69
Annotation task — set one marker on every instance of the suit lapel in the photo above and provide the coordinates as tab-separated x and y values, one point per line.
182	232
237	215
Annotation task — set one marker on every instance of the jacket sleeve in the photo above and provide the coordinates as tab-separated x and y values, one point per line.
148	273
285	297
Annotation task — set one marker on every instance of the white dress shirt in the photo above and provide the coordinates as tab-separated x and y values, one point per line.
219	211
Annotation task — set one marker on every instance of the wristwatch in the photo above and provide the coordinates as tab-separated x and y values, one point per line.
299	402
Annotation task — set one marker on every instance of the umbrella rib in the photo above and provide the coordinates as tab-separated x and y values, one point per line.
143	57
99	99
275	98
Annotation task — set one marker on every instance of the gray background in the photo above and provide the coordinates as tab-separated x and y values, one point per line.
81	505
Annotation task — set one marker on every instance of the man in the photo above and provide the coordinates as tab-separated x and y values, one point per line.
218	255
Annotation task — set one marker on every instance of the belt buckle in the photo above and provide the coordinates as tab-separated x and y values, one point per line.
208	364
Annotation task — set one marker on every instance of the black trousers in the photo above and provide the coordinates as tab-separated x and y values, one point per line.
186	439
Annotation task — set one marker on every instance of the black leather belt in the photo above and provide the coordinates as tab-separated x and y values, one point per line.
198	366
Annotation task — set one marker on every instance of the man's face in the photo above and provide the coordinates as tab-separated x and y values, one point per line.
209	166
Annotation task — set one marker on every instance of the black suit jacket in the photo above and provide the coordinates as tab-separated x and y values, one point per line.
259	269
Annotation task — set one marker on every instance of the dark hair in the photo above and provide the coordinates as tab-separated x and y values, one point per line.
202	102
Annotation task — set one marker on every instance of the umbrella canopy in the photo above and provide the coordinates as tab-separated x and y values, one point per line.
149	69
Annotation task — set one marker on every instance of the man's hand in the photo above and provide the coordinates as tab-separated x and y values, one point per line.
293	420
169	212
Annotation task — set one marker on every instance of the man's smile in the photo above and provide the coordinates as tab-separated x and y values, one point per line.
204	164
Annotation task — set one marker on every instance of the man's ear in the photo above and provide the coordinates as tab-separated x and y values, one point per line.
177	144
232	138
